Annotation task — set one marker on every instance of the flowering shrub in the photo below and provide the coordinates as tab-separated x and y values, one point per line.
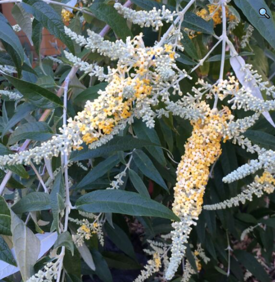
143	151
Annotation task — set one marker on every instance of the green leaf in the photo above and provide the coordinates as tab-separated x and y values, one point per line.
57	205
86	255
120	261
35	201
146	166
90	93
23	19
65	239
5	253
146	133
26	246
261	138
19	170
109	15
251	264
138	184
98	171
35	94
8	36
21	112
101	268
189	47
149	4
5	218
118	143
123	202
37	35
251	10
185	60
4	150
49	18
121	240
196	23
229	163
38	131
72	264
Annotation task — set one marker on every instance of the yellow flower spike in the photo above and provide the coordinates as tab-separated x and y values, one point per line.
202	149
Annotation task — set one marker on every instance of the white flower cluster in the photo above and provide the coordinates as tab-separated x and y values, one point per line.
248	230
247	195
142	18
7	69
246	144
266	161
235	128
95	42
159	253
257	81
86	231
188	272
48	273
92	70
11	94
58	144
248	33
243	99
180	236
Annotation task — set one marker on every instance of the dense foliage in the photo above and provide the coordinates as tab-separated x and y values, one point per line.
144	150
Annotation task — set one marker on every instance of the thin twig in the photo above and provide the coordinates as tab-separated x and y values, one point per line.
39	178
224	40
178	19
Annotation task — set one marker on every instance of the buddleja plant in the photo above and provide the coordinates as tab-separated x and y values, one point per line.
159	163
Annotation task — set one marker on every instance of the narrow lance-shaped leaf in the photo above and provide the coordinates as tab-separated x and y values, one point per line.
5	218
35	94
8	36
138	184
26	246
145	133
38	131
35	201
146	166
23	19
122	202
49	18
5	253
98	171
109	15
87	256
57	205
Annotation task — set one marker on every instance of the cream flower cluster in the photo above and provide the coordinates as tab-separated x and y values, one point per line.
152	18
201	150
87	229
262	184
158	251
48	273
91	69
142	77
